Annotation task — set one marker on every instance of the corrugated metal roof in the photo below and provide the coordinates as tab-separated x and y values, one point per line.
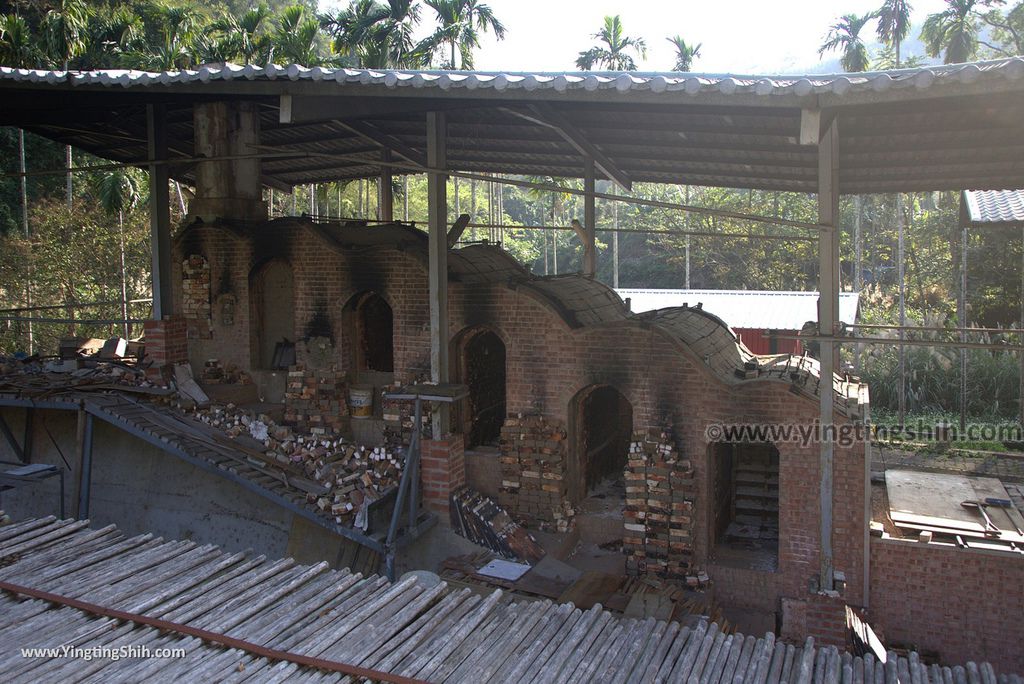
657	82
411	629
757	309
995	206
932	128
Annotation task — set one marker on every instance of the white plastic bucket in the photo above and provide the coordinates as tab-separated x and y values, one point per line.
360	402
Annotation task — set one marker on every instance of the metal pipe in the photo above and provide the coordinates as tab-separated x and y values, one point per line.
923	328
74	306
896	342
95	321
660	231
412	168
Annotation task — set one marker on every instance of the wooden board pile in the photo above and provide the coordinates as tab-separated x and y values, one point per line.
482	521
658	517
315	398
341	478
38	378
533	454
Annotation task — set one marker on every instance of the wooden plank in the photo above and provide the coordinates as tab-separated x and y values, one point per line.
591	588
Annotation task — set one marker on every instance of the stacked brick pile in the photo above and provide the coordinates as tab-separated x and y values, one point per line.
533	453
216	373
195	287
660	490
342	479
315	398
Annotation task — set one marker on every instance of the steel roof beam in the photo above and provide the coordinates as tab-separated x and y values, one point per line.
544	115
385	140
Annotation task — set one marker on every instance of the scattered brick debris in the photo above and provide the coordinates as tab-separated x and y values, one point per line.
482	521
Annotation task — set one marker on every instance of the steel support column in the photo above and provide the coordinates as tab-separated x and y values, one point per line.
387	191
437	210
5	430
85	466
828	307
589	221
159	210
962	324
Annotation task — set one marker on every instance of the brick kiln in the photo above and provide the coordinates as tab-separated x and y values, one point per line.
566	382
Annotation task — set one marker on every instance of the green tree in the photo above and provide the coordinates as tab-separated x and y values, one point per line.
685	53
167	39
1007	31
298	38
239	39
614	52
119	192
379	35
953	33
894	24
111	36
460	24
17	46
844	35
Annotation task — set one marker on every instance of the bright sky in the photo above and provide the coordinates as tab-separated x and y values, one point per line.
737	36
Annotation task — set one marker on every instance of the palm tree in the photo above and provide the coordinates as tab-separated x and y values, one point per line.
845	35
298	38
614	53
240	39
17	47
64	33
461	22
379	35
685	53
110	35
953	31
894	24
167	39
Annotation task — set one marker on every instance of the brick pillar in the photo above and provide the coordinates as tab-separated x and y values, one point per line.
166	343
442	471
820	616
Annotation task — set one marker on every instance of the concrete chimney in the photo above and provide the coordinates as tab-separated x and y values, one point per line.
227	189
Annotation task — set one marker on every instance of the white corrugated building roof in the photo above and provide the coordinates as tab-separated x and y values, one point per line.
757	309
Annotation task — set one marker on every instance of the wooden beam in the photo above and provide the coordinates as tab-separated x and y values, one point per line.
159	211
544	115
457	229
437	211
385	140
810	126
828	308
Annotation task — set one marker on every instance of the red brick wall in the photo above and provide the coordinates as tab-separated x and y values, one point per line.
442	471
965	605
548	364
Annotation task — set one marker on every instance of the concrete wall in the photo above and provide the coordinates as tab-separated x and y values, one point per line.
142	489
961	604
